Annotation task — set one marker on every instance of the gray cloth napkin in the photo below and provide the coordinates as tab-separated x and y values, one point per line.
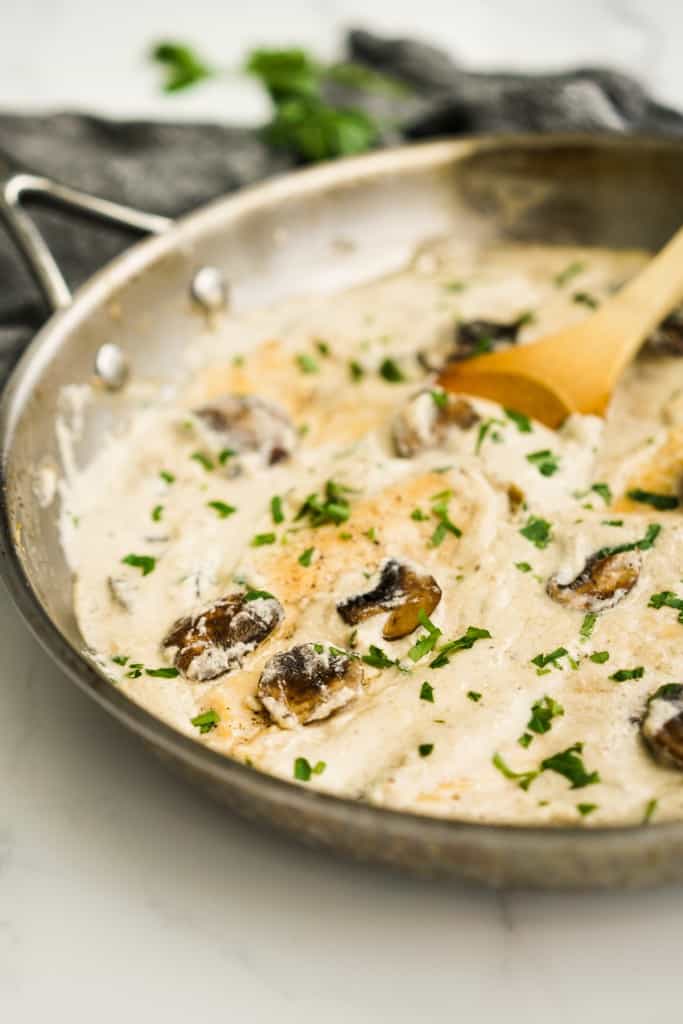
171	168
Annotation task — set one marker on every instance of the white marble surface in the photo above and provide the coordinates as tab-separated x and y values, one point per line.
123	895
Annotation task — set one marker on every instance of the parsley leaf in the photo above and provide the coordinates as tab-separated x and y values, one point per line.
604	491
445	525
305	557
484	430
167	477
306	363
376	658
538	531
667	599
599	657
522	422
570	764
543	712
425	749
588	625
545	461
473	696
206	721
391	371
525	778
650	808
543	660
183	66
162	673
585	299
157	513
644	544
569	272
258	595
427	692
221	509
463	643
585	809
523	566
276	509
260	540
661	502
332	507
143	562
426	643
628	673
356	370
203	460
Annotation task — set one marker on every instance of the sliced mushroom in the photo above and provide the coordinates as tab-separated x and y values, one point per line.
247	424
402	591
217	639
308	683
424	422
602	583
472	337
662	726
667	338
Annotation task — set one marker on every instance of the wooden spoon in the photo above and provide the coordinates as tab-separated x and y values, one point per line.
576	369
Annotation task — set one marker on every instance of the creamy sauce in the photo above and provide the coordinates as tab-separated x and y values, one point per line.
435	740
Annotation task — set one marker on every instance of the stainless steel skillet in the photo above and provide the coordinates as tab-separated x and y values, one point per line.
312	231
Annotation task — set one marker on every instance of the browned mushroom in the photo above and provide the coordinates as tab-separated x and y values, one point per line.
424	422
217	639
244	424
472	337
602	583
308	683
662	725
401	590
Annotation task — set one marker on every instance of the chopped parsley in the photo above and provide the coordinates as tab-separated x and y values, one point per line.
167	477
135	670
473	695
221	509
454	286
332	507
524	778
203	460
206	721
424	644
569	273
650	808
484	430
371	535
305	557
225	454
463	643
585	299
356	370
570	764
543	712
525	740
545	462
623	674
662	502
538	531
391	371
303	769
276	512
306	363
120	659
523	566
183	66
599	657
425	749
644	544
588	625
157	513
323	347
145	563
418	515
376	658
440	398
258	595
612	522
542	661
667	599
162	673
604	491
427	692
260	540
522	422
445	524
585	809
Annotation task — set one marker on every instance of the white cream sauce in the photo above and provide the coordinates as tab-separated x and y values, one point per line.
148	494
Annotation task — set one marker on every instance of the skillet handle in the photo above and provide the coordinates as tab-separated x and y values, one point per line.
33	247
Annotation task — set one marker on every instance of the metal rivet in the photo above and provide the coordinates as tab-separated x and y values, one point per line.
111	366
209	289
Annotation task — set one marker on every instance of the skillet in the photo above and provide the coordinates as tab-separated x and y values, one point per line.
309	232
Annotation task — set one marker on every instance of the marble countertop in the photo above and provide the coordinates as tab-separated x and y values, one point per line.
122	892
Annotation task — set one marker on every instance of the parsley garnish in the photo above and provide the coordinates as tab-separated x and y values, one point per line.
143	562
305	557
167	477
585	299
225	454
525	740
604	491
162	673
644	544
569	272
599	657
376	658
135	670
391	371
206	721
184	67
650	808
628	673
667	599
484	430
427	692
203	460
260	540
661	502
356	370
525	778
543	712
276	509
445	525
585	809
463	643
473	696
522	422
332	507
221	509
157	513
543	660
425	749
612	522
323	347
538	531
588	625
418	515
569	763
440	398
545	462
523	566
303	769
257	595
426	643
306	363
120	659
